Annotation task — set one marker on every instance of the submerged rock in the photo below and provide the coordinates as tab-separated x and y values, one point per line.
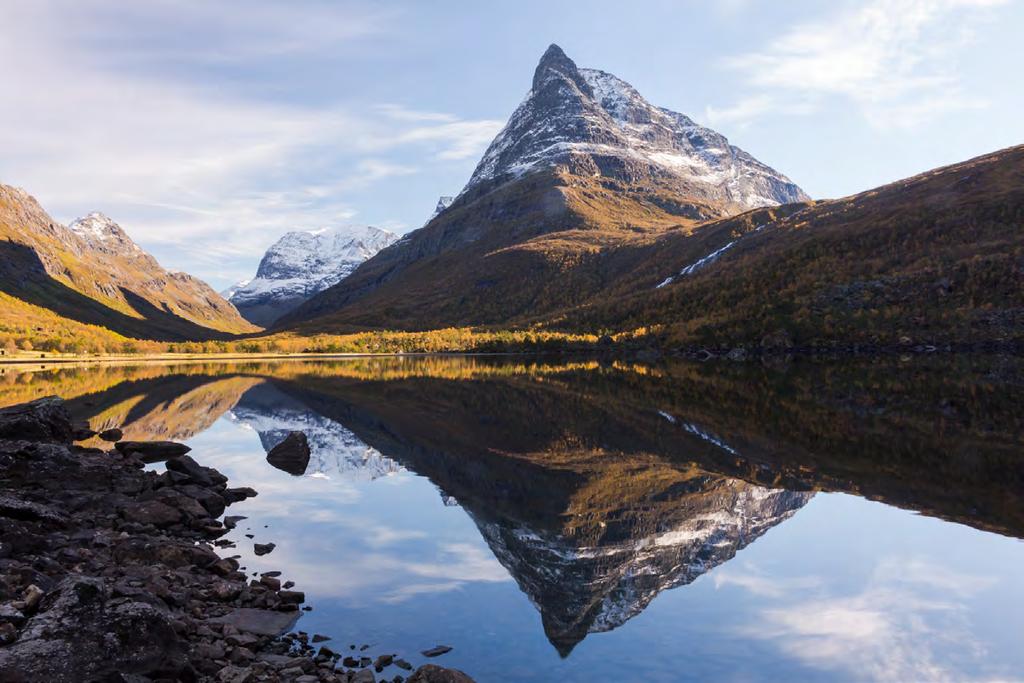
291	455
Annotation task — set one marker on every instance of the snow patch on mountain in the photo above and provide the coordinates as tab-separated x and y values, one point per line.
302	264
571	111
100	231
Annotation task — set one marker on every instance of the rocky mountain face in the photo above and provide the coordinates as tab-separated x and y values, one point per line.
597	124
92	272
581	589
302	264
584	167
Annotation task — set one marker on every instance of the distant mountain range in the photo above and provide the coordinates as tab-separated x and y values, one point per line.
591	211
89	278
302	264
595	210
584	166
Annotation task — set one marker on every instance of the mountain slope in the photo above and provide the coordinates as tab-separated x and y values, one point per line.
937	258
302	264
584	166
91	273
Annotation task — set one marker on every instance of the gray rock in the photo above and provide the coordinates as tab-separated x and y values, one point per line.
45	419
199	474
431	673
263	548
262	622
291	455
436	651
82	634
152	451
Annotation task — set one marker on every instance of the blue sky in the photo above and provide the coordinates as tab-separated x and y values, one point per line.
208	129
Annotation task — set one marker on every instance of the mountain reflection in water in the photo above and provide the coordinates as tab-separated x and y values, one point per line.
599	485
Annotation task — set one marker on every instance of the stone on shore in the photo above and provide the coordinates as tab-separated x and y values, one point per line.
431	673
45	419
152	451
83	633
291	455
264	622
113	434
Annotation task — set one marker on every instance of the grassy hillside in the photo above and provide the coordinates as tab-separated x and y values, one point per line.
935	258
503	254
59	284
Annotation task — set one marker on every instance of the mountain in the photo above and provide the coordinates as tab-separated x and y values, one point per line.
584	167
597	123
933	259
581	589
68	282
302	264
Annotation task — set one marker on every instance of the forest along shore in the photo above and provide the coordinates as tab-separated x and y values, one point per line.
110	572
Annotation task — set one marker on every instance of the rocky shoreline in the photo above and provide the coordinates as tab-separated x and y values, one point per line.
109	572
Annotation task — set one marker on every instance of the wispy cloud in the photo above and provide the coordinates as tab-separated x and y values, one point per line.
894	60
903	625
96	117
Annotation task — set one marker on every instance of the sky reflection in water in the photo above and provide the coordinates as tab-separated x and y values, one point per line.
478	516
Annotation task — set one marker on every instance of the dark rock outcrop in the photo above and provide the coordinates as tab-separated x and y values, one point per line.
45	419
152	451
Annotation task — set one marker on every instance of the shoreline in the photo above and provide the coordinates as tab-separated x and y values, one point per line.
108	569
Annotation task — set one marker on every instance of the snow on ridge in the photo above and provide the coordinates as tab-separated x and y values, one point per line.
303	263
593	112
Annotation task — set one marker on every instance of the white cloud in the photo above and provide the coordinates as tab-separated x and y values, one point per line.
909	622
894	60
92	118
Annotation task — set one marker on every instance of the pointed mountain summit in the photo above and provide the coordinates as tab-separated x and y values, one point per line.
596	123
585	166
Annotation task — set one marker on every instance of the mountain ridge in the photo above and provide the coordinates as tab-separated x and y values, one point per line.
73	280
562	182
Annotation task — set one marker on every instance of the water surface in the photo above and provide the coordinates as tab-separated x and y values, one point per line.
564	520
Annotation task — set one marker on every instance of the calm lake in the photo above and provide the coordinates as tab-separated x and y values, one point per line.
574	520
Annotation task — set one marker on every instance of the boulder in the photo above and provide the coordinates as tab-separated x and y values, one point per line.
152	451
45	419
431	673
291	455
81	633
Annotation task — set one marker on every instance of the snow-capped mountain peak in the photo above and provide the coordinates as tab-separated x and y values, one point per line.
303	263
100	231
594	122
